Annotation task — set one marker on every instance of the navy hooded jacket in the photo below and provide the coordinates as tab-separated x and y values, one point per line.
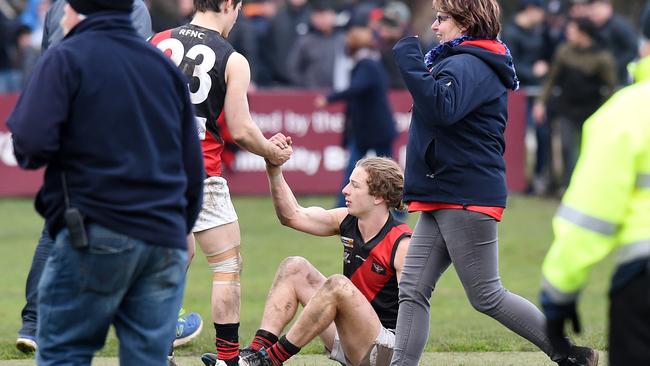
113	113
456	139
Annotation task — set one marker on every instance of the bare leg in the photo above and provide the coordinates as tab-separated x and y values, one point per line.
295	282
218	244
338	301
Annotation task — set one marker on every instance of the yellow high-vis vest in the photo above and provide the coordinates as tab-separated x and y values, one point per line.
607	205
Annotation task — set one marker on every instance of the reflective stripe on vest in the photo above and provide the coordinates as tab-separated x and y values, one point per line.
556	295
585	221
643	181
633	251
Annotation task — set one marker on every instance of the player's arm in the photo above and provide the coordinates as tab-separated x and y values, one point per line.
311	220
238	118
400	255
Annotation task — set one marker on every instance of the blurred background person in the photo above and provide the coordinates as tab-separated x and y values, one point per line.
554	24
291	21
393	26
243	39
582	77
260	14
9	77
26	53
606	209
311	61
579	8
524	35
617	34
371	123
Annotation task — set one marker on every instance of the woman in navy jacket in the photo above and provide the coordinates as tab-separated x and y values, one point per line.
455	176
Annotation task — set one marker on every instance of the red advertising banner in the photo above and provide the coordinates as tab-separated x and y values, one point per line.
317	164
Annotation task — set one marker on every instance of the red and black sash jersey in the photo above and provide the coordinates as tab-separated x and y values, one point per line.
371	266
201	54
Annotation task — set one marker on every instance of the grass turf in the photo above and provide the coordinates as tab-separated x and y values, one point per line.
455	326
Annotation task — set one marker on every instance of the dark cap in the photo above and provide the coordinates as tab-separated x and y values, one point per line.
523	4
322	5
396	14
92	6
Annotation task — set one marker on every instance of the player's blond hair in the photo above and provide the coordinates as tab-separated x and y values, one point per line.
385	180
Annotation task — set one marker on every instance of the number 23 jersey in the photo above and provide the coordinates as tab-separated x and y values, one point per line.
201	54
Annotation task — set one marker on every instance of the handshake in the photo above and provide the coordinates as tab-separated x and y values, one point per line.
280	150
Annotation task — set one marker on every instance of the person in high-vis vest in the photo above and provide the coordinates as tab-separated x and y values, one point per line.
606	209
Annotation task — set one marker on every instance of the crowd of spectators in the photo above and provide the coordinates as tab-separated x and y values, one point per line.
301	44
289	43
570	57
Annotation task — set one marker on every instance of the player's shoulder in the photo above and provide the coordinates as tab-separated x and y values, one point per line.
161	36
400	228
237	65
348	222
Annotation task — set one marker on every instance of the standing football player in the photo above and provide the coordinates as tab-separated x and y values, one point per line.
218	80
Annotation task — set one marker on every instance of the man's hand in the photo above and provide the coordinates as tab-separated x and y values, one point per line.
556	317
281	140
320	102
281	150
540	68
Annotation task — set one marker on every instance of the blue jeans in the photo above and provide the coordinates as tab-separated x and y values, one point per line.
29	316
356	154
118	280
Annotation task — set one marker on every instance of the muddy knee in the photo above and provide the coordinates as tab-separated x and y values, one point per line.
339	285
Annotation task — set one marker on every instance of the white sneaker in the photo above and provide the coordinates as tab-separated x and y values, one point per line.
26	344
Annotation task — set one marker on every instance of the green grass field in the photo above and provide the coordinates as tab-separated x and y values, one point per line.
525	235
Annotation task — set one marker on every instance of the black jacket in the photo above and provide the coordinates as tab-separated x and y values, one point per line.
113	113
527	46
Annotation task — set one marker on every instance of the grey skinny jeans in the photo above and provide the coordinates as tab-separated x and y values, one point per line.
469	241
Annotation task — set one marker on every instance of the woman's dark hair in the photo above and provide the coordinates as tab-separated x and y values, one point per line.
477	18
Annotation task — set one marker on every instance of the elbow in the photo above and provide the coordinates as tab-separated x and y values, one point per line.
284	221
241	132
288	220
240	136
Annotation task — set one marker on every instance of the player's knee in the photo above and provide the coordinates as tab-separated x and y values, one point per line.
226	266
338	284
295	265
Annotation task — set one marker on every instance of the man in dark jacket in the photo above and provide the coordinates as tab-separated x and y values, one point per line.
617	36
111	119
525	37
52	35
312	60
291	22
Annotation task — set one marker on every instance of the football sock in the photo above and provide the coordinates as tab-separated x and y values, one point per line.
263	339
227	342
281	351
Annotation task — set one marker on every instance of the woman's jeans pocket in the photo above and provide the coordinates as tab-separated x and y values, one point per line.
106	263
